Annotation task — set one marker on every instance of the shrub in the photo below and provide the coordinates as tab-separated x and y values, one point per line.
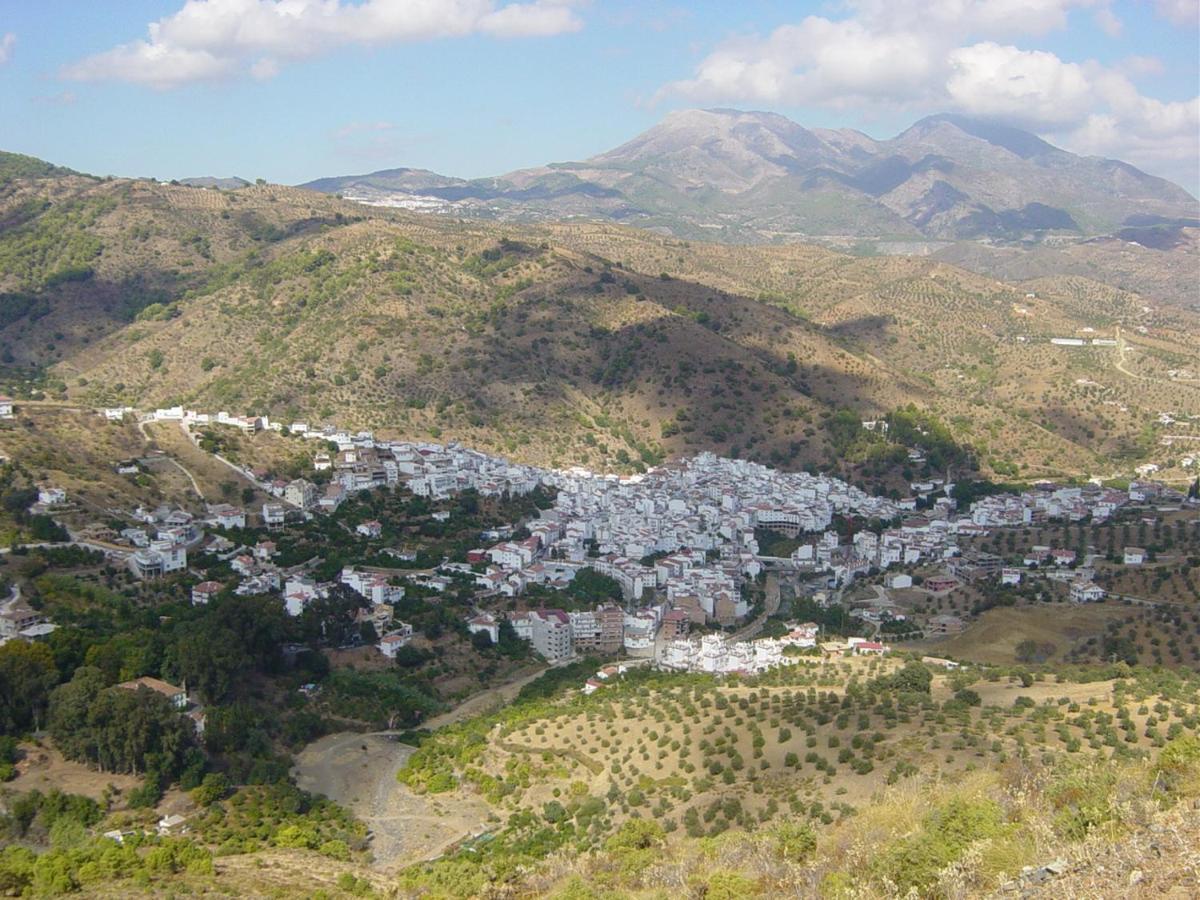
794	841
915	861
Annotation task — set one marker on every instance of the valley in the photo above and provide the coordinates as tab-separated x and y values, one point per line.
346	503
707	452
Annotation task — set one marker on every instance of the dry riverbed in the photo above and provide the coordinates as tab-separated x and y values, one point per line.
358	771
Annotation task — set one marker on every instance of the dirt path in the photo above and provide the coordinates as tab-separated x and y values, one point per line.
358	771
483	702
190	477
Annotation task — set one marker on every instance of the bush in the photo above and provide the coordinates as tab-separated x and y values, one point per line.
915	861
794	841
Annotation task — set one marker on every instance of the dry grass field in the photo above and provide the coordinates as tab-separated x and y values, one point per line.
994	636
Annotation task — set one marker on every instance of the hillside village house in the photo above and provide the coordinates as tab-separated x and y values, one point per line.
16	617
371	585
162	557
177	695
390	644
1086	592
298	592
205	592
6	407
371	529
223	515
485	623
1134	556
274	516
51	496
300	493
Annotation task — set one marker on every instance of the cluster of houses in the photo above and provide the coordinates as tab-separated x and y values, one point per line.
685	529
1070	503
716	654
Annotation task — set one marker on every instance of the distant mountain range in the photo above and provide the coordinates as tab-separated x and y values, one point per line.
753	176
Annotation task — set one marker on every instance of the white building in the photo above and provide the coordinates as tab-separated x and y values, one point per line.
485	623
398	637
371	529
1086	592
162	557
298	592
226	516
51	496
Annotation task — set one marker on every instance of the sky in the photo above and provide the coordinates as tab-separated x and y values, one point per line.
291	90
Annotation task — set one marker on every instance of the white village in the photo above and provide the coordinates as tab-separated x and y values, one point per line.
679	540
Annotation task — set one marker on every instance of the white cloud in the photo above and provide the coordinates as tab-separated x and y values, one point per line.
1181	12
6	47
815	61
1109	23
1141	65
995	17
1030	86
210	39
934	55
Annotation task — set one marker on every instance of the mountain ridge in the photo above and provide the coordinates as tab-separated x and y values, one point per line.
758	176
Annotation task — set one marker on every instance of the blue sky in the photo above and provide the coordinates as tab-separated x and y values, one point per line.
291	90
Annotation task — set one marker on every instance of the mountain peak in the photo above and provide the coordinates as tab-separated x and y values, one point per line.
1014	140
728	149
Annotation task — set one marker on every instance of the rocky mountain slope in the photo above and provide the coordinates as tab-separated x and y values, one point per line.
753	176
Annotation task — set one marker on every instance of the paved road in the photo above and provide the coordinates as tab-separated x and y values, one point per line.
770	607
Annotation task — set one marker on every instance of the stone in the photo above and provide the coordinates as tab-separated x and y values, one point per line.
1135	877
1057	867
